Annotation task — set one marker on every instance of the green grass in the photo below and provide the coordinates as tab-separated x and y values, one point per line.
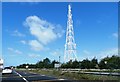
109	70
74	76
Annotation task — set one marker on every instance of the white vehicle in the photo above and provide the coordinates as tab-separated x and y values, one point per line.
1	63
7	70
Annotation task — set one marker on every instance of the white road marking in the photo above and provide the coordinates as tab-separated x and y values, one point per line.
25	73
25	79
61	79
34	73
22	77
42	75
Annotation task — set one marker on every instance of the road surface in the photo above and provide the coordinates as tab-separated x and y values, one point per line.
20	76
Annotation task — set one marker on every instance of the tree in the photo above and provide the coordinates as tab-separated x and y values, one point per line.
94	63
63	65
39	64
85	64
67	64
105	63
22	66
110	62
46	63
114	62
75	64
53	63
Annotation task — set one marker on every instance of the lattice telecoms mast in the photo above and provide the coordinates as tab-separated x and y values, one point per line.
70	45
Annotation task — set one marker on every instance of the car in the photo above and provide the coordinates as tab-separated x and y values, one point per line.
7	70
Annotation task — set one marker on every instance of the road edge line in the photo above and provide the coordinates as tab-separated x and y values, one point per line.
22	77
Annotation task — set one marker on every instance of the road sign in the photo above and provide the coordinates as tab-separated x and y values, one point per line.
57	65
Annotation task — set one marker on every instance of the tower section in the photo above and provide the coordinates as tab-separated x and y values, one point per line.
70	45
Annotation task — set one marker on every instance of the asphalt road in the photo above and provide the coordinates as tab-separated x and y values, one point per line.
20	76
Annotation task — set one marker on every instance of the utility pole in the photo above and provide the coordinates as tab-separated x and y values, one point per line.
59	59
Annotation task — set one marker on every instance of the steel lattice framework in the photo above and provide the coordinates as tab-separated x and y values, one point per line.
70	45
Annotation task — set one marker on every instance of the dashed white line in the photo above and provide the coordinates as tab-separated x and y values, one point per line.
61	79
42	75
22	77
34	73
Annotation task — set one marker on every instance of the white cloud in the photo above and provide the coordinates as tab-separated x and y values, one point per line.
86	52
17	33
15	51
44	31
78	22
34	55
18	52
108	52
100	54
59	31
35	45
23	42
11	49
57	52
115	35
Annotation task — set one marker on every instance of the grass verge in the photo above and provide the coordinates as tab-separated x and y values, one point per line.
73	76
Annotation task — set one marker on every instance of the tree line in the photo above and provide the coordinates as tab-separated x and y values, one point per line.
105	63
